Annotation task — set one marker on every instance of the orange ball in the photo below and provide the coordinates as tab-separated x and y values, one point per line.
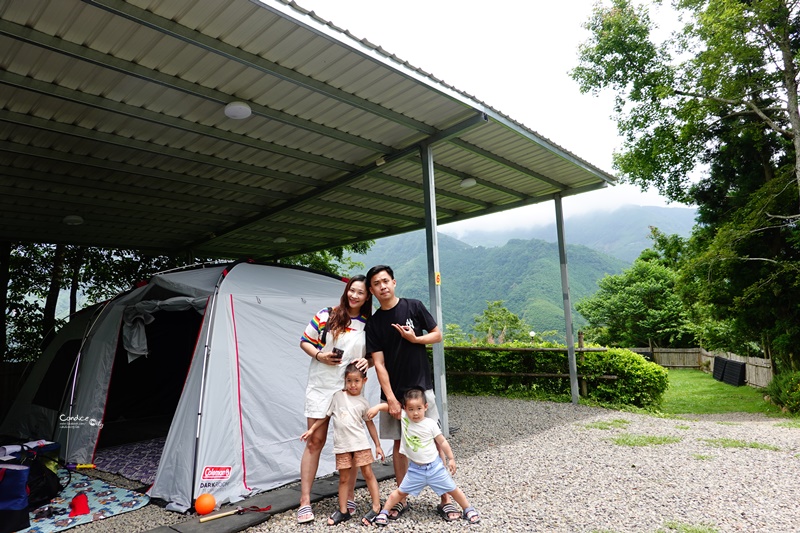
204	504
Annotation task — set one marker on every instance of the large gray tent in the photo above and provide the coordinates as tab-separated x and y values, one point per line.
228	381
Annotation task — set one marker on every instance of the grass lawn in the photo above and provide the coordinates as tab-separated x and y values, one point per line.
695	392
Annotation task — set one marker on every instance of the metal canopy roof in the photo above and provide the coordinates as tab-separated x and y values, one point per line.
113	110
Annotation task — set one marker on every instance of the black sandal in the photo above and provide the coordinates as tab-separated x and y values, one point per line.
448	509
338	517
399	508
369	518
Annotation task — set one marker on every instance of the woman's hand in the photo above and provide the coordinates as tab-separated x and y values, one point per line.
328	358
379	453
361	363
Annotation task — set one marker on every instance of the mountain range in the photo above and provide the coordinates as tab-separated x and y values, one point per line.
622	233
524	272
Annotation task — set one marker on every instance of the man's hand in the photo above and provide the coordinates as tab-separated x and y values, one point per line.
395	408
407	332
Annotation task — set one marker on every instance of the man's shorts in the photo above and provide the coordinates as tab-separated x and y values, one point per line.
354	459
390	426
433	475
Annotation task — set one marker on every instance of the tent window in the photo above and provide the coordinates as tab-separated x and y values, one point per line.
51	390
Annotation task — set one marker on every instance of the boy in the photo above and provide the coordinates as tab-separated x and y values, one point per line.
348	409
419	442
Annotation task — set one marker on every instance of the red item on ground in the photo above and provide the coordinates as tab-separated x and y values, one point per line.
79	505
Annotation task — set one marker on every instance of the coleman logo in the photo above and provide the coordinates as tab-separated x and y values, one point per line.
217	472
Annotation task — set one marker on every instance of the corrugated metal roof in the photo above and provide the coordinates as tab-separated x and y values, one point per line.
113	110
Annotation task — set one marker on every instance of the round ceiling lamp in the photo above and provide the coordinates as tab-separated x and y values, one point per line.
466	183
280	240
72	220
237	110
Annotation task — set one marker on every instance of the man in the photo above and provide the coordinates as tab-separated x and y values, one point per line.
396	338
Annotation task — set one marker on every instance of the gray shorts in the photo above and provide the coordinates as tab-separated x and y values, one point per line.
390	426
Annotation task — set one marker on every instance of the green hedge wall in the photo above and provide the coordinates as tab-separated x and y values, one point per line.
640	383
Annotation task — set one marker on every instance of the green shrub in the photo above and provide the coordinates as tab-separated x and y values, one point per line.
639	382
784	391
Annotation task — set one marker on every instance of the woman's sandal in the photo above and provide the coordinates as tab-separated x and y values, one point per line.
382	519
305	511
471	515
369	518
448	512
399	508
338	517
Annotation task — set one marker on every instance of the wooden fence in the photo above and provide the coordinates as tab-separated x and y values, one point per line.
758	370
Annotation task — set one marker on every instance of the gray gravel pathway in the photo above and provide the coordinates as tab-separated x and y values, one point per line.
541	466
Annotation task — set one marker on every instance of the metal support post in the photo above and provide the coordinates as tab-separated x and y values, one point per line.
562	256
434	283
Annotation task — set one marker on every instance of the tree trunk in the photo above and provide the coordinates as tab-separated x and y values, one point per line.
790	84
49	319
76	273
5	277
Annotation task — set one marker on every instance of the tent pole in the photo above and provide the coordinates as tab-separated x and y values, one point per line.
74	373
562	256
434	283
206	354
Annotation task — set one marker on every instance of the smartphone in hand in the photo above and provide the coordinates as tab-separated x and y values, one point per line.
338	353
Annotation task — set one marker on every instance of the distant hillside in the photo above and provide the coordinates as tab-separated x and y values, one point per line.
622	233
524	274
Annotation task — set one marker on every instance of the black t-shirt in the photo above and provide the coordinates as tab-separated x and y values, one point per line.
407	363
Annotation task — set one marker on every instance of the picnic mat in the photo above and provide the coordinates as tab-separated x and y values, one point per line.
105	500
136	460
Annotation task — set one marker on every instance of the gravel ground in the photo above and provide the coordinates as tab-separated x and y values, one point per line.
539	466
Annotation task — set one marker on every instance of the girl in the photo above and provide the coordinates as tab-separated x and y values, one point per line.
332	331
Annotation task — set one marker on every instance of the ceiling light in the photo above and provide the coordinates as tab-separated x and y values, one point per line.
380	161
466	183
72	220
280	240
237	110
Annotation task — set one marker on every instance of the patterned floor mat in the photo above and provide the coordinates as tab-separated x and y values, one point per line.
137	460
105	500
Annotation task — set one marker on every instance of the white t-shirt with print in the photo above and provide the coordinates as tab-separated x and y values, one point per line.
418	439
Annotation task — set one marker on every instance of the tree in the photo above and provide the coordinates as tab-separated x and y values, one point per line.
719	101
498	325
38	274
454	335
740	71
638	308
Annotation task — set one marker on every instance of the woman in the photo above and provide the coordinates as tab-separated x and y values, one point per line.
333	340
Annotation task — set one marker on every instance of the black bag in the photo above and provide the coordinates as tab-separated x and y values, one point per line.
325	329
43	483
13	498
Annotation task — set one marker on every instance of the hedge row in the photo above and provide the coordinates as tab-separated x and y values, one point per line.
639	382
784	391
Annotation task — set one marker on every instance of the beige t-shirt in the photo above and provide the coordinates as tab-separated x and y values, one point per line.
348	414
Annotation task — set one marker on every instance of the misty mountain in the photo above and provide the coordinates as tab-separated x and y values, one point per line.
525	274
623	233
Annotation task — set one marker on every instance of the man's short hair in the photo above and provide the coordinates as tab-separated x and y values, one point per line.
377	269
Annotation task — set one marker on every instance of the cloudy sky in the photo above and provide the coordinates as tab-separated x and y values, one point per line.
516	57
